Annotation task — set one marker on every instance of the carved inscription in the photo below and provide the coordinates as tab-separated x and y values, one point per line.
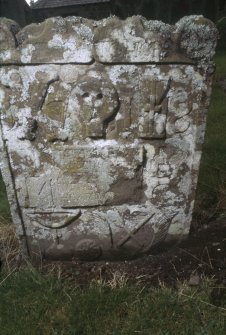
152	119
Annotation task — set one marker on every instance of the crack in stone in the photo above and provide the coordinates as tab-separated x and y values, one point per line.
45	92
111	234
14	30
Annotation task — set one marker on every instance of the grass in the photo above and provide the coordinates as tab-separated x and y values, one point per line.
4	205
220	64
211	191
35	303
9	246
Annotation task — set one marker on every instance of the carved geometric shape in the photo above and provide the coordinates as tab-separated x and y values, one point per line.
54	220
113	178
132	234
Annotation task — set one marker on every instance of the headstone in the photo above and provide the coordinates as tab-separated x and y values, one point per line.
102	125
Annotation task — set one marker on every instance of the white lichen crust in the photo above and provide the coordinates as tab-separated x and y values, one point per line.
102	125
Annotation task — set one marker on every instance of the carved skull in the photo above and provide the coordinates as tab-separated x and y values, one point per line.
95	102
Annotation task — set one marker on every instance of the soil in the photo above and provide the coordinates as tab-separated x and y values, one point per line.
201	255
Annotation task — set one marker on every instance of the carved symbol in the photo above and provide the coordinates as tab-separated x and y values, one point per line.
132	234
95	102
54	220
153	115
54	104
164	225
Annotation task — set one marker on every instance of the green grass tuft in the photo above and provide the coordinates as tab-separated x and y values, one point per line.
36	304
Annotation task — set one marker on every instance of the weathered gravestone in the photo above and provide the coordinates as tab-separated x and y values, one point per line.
102	125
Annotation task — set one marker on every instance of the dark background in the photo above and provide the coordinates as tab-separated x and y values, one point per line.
168	11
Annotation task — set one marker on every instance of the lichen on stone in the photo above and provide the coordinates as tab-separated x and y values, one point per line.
101	128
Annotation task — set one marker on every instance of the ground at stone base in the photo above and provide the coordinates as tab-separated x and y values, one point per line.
201	255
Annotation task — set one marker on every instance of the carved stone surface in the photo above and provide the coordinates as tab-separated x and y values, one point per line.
101	131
